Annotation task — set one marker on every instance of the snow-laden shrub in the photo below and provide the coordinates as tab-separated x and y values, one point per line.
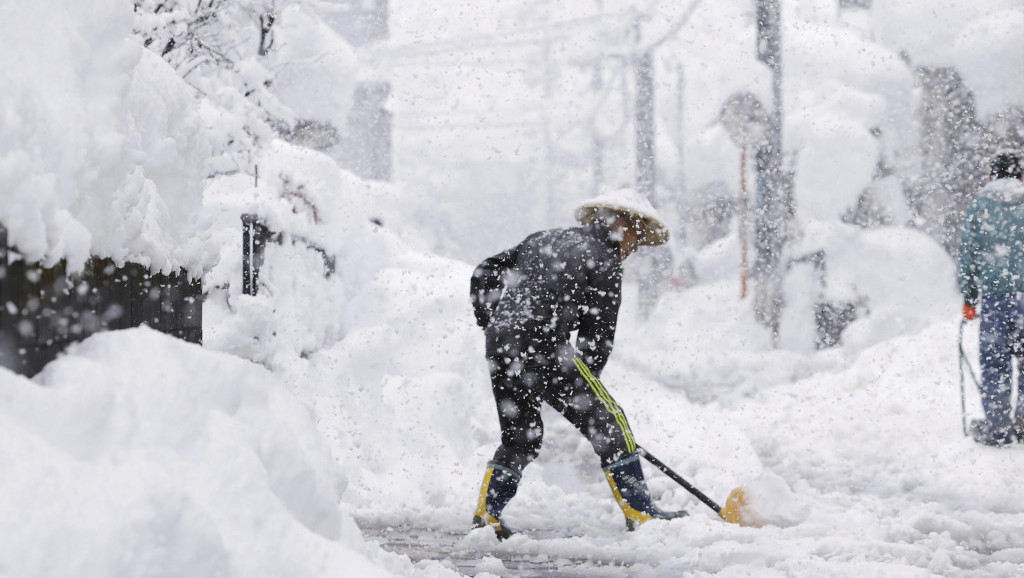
264	67
315	211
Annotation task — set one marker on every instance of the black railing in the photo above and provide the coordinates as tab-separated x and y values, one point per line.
255	236
254	240
830	317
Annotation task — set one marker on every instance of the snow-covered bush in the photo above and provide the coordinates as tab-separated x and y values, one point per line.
265	67
319	211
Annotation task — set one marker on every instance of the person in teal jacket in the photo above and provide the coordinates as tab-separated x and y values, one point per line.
992	275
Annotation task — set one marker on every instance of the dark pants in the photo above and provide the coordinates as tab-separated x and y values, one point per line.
522	379
1001	339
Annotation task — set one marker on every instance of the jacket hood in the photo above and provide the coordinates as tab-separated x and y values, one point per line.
1004	190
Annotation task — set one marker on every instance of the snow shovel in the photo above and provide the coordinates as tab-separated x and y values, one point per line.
735	505
974	378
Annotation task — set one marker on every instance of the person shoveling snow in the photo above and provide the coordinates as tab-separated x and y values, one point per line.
528	300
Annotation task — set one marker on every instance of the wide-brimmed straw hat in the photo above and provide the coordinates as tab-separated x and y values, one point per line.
652	231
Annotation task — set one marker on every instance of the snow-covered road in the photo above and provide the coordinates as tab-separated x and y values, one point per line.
854	458
864	472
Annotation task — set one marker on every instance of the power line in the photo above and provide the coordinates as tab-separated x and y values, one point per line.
525	36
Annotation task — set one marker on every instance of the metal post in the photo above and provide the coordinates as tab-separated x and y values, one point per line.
597	150
247	284
643	110
3	255
743	209
4	271
547	164
773	205
255	236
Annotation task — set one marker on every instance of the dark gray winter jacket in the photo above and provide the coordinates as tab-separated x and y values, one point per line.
992	241
554	282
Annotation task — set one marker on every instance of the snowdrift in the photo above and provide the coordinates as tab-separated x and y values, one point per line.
138	455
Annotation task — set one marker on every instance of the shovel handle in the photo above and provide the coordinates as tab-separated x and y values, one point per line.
679	480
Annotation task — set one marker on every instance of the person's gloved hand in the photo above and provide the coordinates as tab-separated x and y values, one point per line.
970	313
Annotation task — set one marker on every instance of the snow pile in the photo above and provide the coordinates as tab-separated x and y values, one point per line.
852	457
137	454
101	155
769	500
838	86
894	291
382	348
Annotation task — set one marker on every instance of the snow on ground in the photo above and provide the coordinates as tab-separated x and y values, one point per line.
854	457
363	398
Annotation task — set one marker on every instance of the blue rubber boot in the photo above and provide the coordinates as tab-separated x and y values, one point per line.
626	479
983	433
500	485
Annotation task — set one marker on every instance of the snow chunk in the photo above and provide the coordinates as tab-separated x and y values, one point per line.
770	500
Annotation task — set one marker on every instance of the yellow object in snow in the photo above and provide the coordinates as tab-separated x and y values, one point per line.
737	510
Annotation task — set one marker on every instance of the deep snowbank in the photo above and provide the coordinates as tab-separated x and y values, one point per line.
139	455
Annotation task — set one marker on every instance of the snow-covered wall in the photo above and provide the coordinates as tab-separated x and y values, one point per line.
101	147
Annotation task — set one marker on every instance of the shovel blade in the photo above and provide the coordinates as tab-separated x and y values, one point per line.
737	510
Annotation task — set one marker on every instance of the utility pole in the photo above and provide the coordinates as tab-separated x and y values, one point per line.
597	144
645	175
743	210
597	148
644	115
549	145
774	204
655	261
680	132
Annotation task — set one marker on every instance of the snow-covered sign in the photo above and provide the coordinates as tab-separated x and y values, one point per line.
745	119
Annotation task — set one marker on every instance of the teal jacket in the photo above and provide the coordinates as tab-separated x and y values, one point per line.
992	241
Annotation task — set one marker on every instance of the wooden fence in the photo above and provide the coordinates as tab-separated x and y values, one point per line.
44	309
